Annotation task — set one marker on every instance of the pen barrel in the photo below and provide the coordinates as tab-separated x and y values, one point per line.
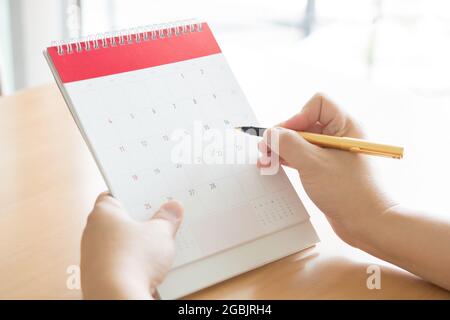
353	145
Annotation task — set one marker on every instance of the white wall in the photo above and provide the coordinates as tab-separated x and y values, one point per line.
6	70
33	25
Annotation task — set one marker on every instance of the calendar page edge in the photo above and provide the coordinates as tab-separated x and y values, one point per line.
177	285
75	117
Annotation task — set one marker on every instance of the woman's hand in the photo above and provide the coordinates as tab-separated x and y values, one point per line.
340	183
125	259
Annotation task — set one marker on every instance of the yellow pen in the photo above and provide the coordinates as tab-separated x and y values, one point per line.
341	143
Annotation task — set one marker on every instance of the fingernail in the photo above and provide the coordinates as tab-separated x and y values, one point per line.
272	134
275	130
264	160
172	209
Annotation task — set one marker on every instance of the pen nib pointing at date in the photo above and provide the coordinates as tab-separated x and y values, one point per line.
254	131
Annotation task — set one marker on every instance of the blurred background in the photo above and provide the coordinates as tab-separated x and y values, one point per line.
402	43
386	62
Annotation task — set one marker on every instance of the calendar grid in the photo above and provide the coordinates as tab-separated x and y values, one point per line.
130	119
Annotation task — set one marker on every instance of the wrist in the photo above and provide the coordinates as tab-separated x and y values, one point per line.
115	286
364	222
368	236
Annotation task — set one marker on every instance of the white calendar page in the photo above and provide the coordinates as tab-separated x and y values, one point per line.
134	113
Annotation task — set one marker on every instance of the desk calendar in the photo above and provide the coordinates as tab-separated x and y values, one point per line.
137	97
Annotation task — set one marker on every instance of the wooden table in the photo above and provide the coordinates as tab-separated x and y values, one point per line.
48	185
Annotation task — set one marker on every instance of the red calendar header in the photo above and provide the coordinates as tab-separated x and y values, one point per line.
110	60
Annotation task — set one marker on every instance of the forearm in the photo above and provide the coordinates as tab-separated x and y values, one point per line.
117	293
104	286
411	240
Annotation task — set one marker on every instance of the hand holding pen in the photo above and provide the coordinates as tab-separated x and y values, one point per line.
339	183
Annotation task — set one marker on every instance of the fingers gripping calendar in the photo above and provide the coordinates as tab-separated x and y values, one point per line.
144	102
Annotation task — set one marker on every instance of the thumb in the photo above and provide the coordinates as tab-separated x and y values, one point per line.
172	213
289	145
